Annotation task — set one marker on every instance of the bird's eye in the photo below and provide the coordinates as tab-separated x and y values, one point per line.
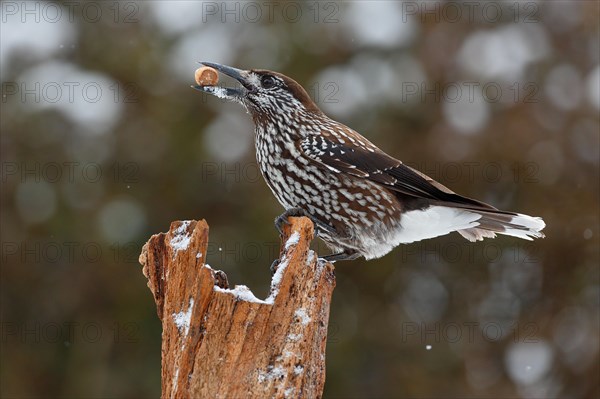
268	81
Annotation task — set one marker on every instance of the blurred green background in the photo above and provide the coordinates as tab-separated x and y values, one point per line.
104	143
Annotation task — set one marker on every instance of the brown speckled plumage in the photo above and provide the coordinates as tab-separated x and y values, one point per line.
363	201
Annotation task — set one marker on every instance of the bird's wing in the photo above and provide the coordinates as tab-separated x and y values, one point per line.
355	158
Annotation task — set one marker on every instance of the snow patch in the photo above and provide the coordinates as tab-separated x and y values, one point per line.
310	257
181	240
293	240
276	281
302	315
241	292
198	255
320	266
182	319
294	337
298	370
273	373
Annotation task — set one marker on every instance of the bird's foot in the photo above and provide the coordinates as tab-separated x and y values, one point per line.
282	220
346	255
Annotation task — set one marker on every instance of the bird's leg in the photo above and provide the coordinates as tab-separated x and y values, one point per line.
297	212
349	254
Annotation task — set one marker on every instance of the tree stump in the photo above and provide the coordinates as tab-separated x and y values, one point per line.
219	342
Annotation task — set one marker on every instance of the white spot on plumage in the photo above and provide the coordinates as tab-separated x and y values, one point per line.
433	222
534	226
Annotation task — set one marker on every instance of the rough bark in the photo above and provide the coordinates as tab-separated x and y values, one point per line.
219	342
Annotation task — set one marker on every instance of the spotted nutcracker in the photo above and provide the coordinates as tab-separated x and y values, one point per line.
362	201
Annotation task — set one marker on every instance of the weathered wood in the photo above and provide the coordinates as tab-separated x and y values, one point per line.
225	343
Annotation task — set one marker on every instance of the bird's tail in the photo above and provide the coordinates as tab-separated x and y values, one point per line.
499	222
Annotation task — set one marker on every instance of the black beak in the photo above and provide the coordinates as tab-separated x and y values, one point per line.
243	77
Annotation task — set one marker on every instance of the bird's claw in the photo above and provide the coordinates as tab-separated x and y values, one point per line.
282	219
346	255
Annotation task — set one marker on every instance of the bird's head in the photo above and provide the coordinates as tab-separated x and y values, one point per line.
264	93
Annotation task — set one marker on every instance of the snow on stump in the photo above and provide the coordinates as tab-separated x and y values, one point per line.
219	342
